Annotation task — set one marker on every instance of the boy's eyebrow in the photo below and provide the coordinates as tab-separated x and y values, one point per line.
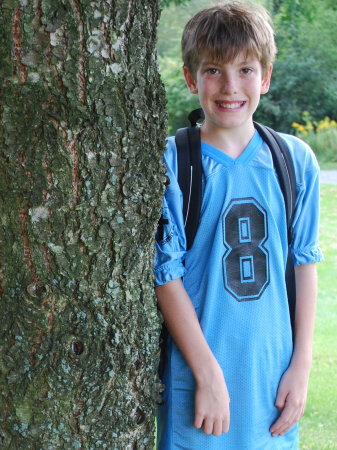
249	61
209	63
217	63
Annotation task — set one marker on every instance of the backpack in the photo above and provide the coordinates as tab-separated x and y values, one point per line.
188	145
190	182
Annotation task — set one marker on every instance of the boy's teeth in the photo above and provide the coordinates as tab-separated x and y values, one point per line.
230	105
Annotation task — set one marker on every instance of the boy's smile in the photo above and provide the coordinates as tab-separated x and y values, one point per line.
229	93
230	105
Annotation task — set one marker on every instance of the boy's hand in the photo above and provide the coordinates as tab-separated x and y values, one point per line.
212	406
291	399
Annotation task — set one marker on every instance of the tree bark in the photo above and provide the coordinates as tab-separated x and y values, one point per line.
82	127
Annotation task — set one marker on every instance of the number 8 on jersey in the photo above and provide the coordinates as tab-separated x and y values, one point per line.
246	260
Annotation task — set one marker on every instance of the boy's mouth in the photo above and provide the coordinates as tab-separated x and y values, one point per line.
230	105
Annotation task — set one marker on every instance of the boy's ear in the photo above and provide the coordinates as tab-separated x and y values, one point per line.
190	81
266	80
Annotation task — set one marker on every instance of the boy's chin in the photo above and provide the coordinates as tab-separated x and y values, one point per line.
228	125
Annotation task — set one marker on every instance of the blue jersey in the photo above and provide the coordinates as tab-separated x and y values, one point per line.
234	275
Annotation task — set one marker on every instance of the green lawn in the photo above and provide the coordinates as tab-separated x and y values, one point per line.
319	424
327	165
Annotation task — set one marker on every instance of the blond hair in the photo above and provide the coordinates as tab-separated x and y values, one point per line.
221	32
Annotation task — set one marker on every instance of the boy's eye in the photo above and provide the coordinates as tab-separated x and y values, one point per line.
212	70
246	70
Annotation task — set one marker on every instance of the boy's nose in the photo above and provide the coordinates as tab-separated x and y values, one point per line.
229	85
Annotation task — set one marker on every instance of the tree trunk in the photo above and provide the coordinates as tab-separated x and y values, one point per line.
82	127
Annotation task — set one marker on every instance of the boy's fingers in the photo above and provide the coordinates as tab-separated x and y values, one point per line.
225	426
281	421
198	420
285	428
287	419
208	426
280	400
217	428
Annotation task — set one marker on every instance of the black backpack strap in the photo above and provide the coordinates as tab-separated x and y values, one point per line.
184	166
284	167
190	182
190	178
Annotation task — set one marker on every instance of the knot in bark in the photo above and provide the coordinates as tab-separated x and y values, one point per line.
36	290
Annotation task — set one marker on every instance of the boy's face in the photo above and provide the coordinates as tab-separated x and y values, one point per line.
229	93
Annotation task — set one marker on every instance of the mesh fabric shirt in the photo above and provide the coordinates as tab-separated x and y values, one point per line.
234	275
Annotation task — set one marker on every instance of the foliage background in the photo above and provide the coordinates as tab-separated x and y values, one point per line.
304	77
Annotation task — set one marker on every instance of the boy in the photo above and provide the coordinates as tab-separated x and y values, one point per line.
233	378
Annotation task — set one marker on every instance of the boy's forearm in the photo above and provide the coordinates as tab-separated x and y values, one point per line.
211	403
292	391
183	325
306	293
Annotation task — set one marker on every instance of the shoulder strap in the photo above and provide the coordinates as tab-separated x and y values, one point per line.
190	182
284	167
190	178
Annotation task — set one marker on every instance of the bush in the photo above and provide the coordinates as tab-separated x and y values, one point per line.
321	136
180	102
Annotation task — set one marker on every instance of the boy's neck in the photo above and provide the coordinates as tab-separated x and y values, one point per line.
231	141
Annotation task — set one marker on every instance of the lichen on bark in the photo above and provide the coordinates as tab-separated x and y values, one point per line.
82	127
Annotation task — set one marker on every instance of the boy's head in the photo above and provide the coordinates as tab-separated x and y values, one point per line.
222	32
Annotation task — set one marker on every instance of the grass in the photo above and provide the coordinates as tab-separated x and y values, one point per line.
327	165
318	426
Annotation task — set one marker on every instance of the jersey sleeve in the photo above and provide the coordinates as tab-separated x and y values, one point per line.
305	245
170	239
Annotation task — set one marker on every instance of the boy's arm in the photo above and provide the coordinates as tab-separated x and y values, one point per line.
211	396
292	391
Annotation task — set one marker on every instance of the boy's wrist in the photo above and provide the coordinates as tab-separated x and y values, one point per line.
206	372
302	361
